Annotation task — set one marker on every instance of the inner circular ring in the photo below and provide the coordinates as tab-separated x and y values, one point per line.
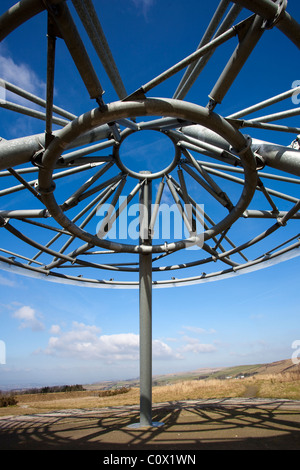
149	176
153	107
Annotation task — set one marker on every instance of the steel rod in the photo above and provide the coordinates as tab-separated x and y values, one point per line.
269	10
189	60
100	198
32	183
209	183
18	14
203	216
69	32
275	156
236	62
205	39
18	151
240	181
263	214
93	27
194	70
266	126
145	305
31	112
34	99
276	116
73	199
51	44
287	179
265	103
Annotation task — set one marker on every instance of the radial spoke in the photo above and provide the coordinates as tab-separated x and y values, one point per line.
237	61
93	27
188	60
263	104
31	112
204	216
266	126
73	200
276	116
99	199
157	202
111	217
68	30
63	220
34	99
210	185
194	70
31	184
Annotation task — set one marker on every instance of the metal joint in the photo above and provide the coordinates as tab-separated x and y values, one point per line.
52	7
241	152
36	159
260	163
101	105
281	7
3	221
46	190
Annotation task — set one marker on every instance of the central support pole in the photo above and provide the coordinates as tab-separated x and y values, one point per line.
145	292
145	305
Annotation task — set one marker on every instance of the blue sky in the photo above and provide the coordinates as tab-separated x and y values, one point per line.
57	334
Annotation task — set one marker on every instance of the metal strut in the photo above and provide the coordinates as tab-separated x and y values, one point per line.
145	305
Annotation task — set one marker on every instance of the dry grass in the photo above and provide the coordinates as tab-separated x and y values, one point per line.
286	386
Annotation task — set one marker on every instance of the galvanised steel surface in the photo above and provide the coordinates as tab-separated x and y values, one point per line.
70	193
206	150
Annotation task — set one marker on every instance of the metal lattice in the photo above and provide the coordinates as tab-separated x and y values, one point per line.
236	195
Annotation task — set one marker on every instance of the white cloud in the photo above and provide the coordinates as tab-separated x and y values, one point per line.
21	75
193	344
28	318
55	329
144	5
85	342
197	330
198	348
4	281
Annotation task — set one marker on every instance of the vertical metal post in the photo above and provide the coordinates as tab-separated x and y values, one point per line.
145	306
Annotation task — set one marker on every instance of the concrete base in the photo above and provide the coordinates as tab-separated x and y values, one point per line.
154	424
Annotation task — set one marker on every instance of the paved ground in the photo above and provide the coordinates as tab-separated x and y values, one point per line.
191	425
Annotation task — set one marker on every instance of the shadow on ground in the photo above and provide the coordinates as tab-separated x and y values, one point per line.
198	425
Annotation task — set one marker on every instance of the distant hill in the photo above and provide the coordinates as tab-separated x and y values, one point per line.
272	368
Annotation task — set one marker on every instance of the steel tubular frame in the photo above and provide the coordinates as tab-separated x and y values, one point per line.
190	135
81	167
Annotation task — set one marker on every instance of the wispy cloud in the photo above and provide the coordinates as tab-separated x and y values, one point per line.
21	75
192	344
28	318
4	281
85	342
197	330
144	5
198	348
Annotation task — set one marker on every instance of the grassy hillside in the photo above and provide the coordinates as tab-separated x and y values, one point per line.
278	367
276	380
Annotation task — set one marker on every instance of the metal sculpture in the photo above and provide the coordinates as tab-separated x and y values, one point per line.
219	178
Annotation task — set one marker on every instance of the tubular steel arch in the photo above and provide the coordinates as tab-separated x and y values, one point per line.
65	191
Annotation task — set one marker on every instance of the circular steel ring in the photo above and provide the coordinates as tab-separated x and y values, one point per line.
149	176
146	107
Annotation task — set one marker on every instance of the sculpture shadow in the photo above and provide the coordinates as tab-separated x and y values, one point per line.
194	427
